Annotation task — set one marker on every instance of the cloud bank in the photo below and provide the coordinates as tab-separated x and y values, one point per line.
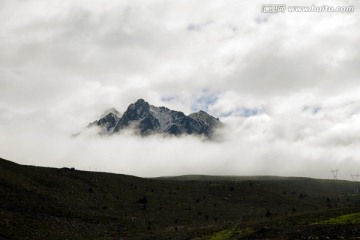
285	84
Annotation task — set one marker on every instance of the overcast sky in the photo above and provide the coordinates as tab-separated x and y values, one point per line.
287	85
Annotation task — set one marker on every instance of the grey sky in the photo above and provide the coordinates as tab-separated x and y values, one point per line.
286	84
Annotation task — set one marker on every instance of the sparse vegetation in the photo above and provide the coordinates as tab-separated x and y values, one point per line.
46	203
353	218
222	235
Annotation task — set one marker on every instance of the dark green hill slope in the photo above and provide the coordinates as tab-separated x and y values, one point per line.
49	203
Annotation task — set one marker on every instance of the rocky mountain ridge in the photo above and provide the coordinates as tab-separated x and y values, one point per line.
147	119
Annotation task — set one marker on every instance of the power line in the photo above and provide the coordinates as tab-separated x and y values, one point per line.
355	178
335	173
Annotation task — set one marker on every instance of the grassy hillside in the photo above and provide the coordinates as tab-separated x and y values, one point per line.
48	203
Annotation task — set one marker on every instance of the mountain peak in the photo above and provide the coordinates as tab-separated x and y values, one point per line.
202	112
147	119
110	111
141	101
140	104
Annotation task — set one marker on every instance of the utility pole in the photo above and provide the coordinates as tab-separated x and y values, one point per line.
355	178
335	173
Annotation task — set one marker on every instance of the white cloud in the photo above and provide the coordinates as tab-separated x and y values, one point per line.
286	84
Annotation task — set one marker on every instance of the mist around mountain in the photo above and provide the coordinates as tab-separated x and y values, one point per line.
145	119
